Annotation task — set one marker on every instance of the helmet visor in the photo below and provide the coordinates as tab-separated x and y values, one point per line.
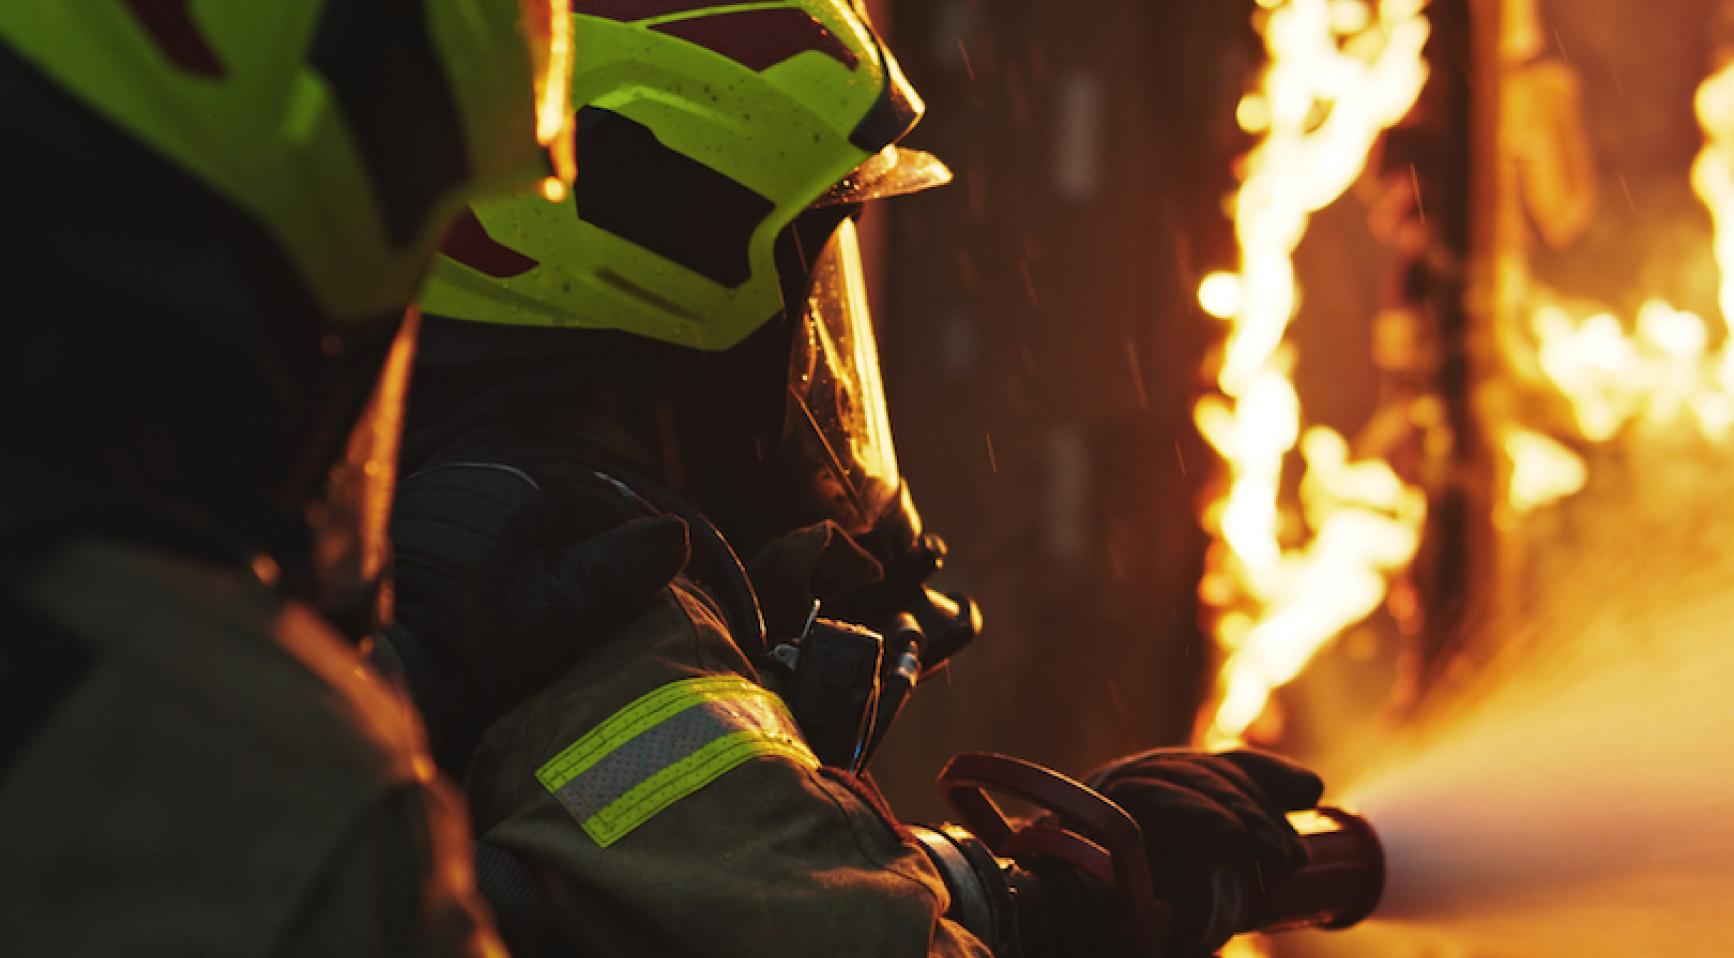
837	418
893	171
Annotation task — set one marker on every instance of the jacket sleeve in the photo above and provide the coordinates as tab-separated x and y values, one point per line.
671	806
403	886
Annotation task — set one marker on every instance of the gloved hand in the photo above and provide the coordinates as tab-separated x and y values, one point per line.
1201	812
501	580
1231	805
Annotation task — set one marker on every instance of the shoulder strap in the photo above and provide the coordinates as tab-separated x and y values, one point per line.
583	488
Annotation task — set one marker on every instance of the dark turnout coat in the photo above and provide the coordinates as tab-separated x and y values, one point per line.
222	776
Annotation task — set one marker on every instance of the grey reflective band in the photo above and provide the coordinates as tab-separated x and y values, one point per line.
625	768
665	746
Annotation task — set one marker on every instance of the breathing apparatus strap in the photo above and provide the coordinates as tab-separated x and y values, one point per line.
557	465
724	576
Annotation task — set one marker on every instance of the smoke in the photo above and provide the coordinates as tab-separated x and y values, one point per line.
1579	799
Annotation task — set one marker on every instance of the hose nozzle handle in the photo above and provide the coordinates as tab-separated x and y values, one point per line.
1088	832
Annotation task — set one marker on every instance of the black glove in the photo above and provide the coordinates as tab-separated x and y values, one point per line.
503	582
1201	812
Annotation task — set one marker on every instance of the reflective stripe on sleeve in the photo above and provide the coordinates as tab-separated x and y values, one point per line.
665	746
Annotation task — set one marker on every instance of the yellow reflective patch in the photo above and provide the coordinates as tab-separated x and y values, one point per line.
665	746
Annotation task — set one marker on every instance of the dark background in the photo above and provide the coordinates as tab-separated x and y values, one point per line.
1043	348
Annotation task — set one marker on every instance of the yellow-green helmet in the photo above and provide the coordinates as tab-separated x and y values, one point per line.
282	109
704	131
219	213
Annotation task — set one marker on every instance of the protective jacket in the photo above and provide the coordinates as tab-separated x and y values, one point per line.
206	769
659	787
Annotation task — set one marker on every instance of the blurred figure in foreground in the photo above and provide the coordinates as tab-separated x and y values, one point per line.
219	213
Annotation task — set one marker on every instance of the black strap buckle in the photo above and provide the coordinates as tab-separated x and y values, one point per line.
833	671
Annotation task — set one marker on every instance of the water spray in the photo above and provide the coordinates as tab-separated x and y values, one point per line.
1573	797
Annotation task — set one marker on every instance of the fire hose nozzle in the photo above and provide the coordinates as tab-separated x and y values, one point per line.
1341	884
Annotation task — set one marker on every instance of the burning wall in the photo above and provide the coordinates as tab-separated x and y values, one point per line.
1560	783
1564	436
1285	582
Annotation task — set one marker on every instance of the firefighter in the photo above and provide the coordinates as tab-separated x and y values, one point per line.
215	216
620	397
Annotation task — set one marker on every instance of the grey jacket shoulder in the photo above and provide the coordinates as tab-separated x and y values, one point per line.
222	751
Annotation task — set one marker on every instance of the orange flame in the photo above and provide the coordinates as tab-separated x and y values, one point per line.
1664	370
1340	73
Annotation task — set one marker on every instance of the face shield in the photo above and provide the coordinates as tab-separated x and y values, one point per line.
893	171
837	420
836	417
